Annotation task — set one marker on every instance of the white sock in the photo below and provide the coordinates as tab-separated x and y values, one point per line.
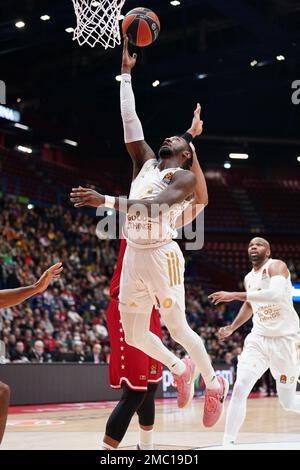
105	446
146	439
211	382
236	411
178	368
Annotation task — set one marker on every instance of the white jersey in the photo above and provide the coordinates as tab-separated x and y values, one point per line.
140	229
272	319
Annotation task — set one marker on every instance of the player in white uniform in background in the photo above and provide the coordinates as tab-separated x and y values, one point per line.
153	266
274	341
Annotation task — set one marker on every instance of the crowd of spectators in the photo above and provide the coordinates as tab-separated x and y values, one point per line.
67	322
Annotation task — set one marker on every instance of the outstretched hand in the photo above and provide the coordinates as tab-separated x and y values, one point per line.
86	197
197	125
225	332
222	296
48	276
128	61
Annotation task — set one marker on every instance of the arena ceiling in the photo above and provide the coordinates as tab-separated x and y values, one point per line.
204	54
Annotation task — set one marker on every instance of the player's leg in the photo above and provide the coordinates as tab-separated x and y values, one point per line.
166	281
120	418
146	414
174	318
199	361
136	306
285	369
137	333
288	398
236	412
252	364
168	285
4	402
136	301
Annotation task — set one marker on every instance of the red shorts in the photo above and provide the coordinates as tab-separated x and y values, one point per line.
127	364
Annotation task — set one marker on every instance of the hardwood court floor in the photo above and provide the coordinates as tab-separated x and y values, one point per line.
81	426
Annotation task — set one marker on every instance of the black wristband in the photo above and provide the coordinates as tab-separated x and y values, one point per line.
188	137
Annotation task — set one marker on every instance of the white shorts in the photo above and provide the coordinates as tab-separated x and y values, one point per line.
152	276
281	355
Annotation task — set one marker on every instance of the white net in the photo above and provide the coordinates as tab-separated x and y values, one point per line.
98	22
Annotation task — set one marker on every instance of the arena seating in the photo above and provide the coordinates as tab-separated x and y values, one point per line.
241	204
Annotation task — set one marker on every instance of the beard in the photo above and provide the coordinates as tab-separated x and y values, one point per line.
257	258
165	152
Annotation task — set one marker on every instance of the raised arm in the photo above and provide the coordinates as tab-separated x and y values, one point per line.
200	192
200	199
11	297
137	148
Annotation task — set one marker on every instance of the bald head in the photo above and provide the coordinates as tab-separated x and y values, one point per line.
259	250
262	241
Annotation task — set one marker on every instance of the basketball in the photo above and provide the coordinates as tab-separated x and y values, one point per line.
142	26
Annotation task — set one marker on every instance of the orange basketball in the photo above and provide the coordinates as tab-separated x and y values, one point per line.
142	26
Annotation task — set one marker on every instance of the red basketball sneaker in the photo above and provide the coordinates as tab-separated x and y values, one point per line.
214	403
185	384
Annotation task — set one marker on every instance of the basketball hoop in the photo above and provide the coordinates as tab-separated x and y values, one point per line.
98	22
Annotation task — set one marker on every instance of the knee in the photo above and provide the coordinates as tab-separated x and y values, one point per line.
181	333
240	392
4	391
176	334
133	339
131	400
178	327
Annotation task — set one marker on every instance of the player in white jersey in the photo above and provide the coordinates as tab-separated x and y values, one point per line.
274	341
153	266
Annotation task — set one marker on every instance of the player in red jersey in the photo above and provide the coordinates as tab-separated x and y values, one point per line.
133	371
136	371
9	298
